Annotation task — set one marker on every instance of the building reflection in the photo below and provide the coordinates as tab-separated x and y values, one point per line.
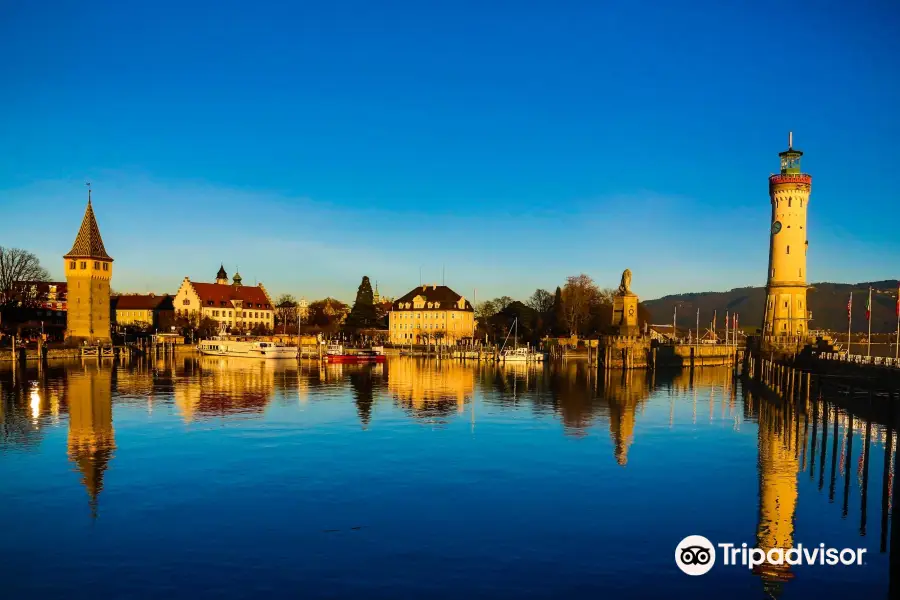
91	441
778	467
430	388
222	386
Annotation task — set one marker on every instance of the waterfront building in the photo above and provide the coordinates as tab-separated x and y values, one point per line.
432	314
145	310
234	305
786	312
88	271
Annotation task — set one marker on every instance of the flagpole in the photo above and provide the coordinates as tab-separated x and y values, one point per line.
726	327
674	330
869	312
897	345
698	327
849	322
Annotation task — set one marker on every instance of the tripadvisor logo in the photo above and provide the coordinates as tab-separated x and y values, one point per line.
696	555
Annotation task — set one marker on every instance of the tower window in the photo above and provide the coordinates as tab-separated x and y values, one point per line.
801	202
71	264
785	304
106	266
83	265
789	202
788	249
773	272
97	264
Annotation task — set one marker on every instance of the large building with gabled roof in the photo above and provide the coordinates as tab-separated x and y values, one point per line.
88	271
233	305
431	314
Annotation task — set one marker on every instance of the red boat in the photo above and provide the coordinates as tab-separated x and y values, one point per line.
337	354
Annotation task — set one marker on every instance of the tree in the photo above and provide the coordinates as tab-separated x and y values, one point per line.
558	313
207	327
16	267
362	315
541	301
286	313
579	296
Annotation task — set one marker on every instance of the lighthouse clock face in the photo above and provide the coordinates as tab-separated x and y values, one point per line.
776	226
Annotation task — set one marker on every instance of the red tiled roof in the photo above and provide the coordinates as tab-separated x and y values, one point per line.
222	295
144	302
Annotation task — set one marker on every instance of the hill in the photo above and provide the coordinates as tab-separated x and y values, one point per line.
827	301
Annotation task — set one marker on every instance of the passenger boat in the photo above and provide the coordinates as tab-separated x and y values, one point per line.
246	348
335	353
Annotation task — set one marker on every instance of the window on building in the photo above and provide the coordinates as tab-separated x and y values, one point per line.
788	249
71	264
785	304
83	264
106	266
789	202
97	264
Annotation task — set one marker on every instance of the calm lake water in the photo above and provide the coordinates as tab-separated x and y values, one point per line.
230	478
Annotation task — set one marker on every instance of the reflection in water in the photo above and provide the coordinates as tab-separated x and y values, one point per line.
220	386
614	413
91	441
430	388
778	468
624	392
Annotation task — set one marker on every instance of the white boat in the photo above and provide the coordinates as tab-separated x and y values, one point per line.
521	355
516	354
245	348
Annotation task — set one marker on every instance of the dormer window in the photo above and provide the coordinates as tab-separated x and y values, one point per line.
430	304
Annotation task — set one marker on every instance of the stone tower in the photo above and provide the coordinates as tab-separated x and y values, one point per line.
88	272
786	314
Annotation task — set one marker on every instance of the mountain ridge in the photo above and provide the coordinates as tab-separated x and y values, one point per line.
827	302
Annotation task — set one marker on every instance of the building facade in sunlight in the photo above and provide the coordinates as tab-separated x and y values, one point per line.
147	310
786	314
234	305
88	271
431	314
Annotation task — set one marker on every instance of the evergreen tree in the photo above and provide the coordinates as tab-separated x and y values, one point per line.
558	314
362	315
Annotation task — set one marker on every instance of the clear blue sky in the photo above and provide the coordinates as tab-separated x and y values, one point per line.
312	143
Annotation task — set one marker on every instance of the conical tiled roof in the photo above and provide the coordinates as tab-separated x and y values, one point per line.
221	274
88	244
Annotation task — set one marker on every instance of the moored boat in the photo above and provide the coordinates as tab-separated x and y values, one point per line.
338	354
245	348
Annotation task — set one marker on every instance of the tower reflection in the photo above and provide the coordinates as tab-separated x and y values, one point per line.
91	440
778	468
624	391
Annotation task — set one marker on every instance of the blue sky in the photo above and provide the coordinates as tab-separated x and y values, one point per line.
515	144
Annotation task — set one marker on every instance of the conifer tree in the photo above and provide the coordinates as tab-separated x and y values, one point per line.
362	315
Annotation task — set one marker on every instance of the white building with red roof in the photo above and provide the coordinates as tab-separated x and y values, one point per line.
233	304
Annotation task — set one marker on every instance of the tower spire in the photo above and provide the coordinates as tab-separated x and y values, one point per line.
88	184
790	140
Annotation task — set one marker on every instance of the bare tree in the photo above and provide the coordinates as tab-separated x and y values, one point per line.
18	266
541	301
286	312
579	295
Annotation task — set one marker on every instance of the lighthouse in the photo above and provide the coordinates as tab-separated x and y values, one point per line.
786	314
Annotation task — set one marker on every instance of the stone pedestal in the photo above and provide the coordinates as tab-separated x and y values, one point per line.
625	314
